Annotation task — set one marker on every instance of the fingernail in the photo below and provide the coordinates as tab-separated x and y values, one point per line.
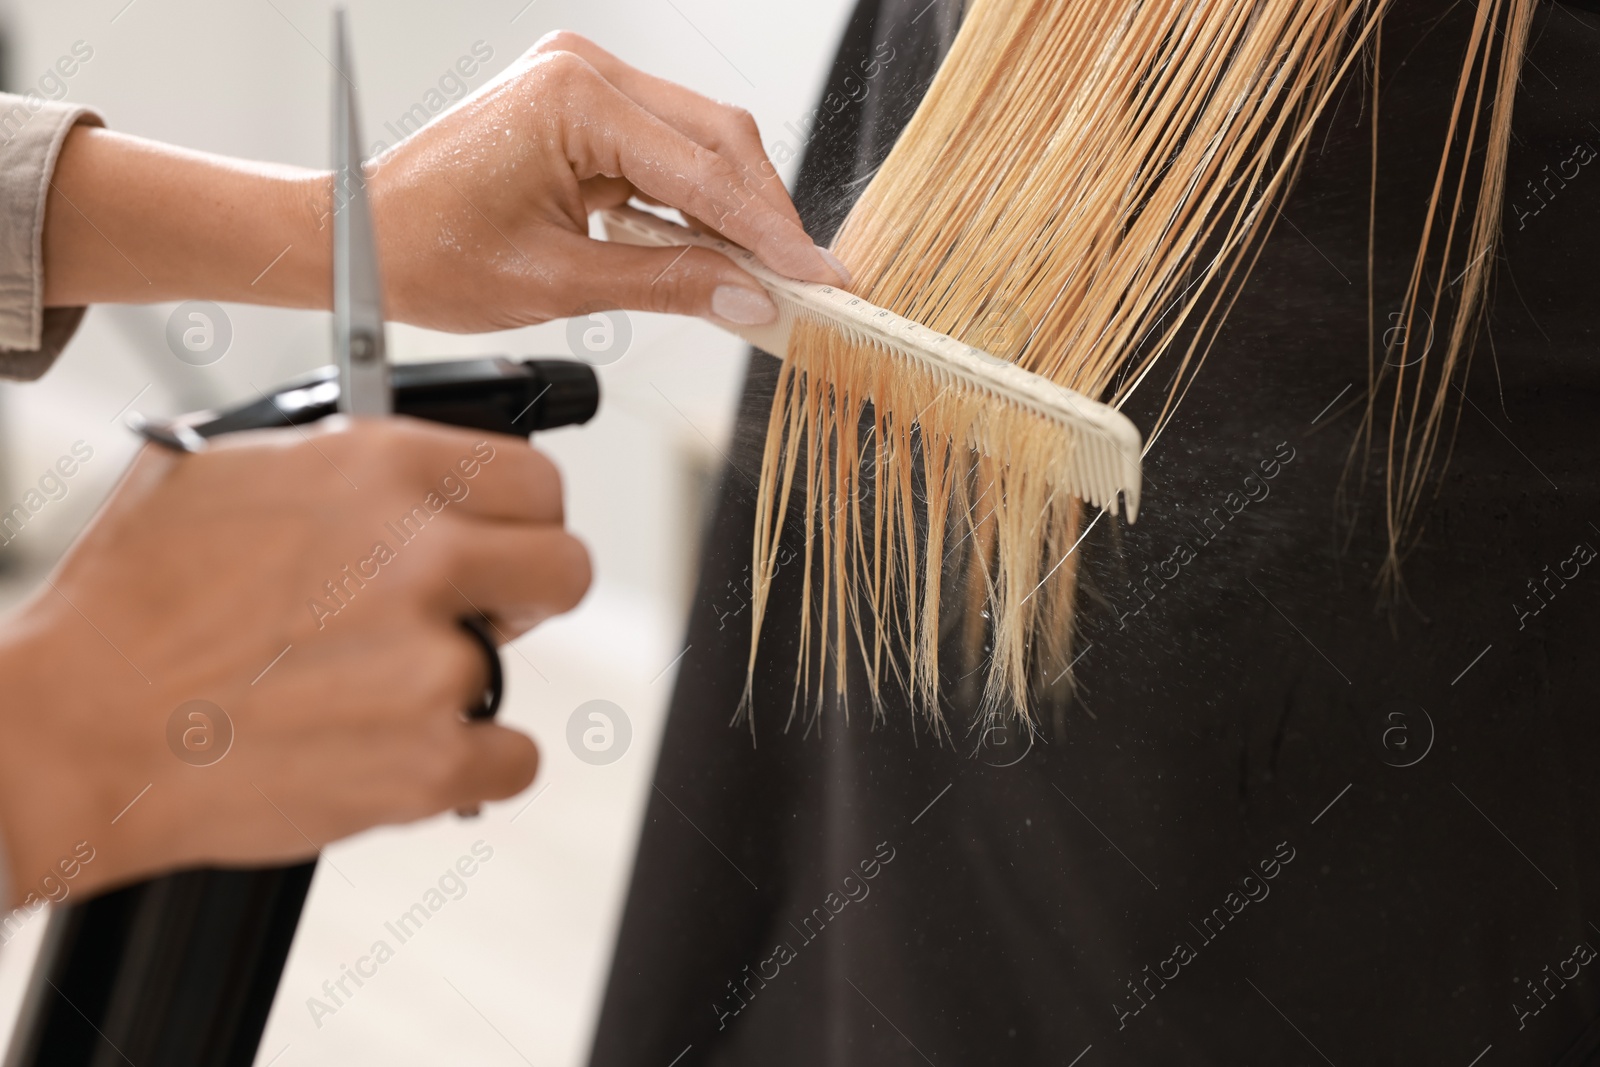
833	261
743	307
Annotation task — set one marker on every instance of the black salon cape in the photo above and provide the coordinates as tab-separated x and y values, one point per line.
1277	825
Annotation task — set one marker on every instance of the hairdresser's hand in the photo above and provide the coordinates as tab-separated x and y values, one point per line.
308	586
482	215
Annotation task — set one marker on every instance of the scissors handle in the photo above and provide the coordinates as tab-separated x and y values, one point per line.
500	395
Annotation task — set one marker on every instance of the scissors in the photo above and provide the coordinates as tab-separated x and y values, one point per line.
365	383
498	394
358	335
359	346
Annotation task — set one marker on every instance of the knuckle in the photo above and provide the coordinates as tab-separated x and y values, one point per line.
335	437
685	285
360	450
383	439
366	432
561	41
567	68
716	177
668	291
438	555
335	450
742	125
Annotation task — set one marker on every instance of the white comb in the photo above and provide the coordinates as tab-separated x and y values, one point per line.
1100	445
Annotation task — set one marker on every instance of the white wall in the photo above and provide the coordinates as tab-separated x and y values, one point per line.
510	973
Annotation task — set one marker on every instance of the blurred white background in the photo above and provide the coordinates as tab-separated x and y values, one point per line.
512	972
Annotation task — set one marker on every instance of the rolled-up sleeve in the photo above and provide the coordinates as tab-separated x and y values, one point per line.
32	130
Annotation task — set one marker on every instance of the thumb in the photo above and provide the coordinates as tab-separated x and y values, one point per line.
679	281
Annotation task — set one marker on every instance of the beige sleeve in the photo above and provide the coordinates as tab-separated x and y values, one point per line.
31	132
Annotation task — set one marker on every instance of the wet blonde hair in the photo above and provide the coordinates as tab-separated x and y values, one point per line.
1084	190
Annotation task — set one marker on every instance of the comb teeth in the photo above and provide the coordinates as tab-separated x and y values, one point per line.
1099	454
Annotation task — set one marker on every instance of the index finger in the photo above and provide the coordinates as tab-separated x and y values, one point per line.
472	472
663	163
729	131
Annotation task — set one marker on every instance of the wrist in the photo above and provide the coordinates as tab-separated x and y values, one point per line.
302	207
307	206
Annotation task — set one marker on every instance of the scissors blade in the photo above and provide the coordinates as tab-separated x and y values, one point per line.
358	340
